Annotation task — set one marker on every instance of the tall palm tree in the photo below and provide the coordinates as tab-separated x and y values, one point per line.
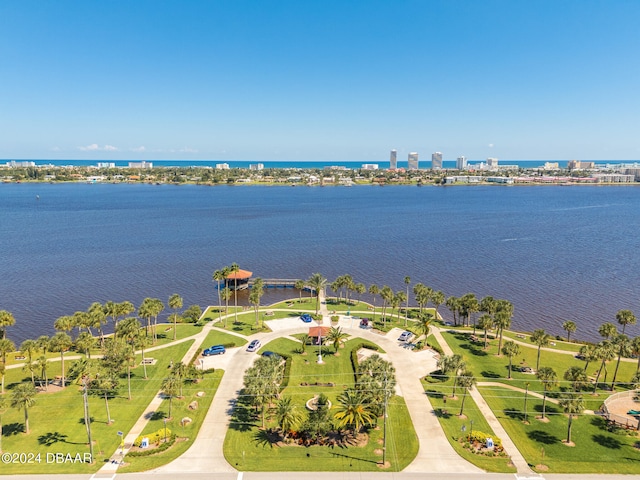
589	354
387	297
97	318
6	346
41	363
234	268
64	323
569	327
318	283
287	415
437	298
453	304
23	398
423	325
635	350
576	376
352	410
226	296
171	388
257	290
488	305
485	322
572	405
466	380
299	285
456	365
607	330
85	342
61	342
29	346
398	298
625	317
6	320
502	322
175	302
541	339
422	295
145	310
622	344
156	308
407	282
605	352
470	305
549	379
510	349
373	291
219	276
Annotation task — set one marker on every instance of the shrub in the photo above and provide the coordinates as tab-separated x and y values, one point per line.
286	373
154	437
152	451
354	356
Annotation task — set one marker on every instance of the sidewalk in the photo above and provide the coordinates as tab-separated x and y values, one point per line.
509	447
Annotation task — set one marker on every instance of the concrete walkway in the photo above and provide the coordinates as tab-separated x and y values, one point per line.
510	448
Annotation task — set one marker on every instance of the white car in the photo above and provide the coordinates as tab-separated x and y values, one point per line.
253	346
405	336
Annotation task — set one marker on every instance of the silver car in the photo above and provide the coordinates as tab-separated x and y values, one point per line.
253	346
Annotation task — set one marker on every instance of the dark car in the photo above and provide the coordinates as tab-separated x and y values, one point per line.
306	318
364	323
214	350
270	354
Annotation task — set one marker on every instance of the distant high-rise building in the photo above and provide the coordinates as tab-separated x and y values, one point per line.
492	163
436	161
461	163
413	161
393	160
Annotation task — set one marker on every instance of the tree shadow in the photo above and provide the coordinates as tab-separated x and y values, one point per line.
549	408
12	429
487	374
81	420
607	441
157	415
267	437
51	438
513	413
442	413
352	458
434	394
543	437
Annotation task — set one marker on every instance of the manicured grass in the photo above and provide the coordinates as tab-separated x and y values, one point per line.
307	304
219	337
559	344
246	324
596	449
447	410
56	419
179	410
183	330
247	446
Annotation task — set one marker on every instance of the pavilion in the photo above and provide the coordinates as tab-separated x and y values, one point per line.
238	280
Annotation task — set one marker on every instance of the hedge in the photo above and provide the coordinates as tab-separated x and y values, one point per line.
152	451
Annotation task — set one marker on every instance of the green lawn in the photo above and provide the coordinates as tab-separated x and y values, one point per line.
596	449
219	337
247	446
56	418
245	325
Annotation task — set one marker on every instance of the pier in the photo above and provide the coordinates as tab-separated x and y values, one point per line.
277	282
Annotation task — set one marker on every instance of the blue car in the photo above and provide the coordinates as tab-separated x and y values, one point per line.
214	350
306	318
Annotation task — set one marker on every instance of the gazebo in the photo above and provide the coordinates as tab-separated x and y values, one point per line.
238	280
318	332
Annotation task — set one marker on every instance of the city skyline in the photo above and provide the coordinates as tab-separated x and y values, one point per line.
256	81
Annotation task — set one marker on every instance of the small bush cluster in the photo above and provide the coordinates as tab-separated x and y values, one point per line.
152	451
354	355
154	437
477	441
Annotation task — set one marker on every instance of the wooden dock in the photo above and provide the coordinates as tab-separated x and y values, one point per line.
279	283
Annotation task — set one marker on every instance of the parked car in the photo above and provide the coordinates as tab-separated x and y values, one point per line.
271	354
526	369
364	323
214	350
254	345
306	318
405	336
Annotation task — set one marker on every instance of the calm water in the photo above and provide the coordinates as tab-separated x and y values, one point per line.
557	253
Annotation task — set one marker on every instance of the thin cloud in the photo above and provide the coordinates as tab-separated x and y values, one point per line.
188	150
94	147
141	148
110	148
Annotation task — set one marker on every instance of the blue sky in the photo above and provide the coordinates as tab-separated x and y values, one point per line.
319	80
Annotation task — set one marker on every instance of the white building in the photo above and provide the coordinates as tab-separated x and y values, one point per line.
222	166
461	163
393	160
256	166
492	163
436	161
413	161
106	165
369	166
143	165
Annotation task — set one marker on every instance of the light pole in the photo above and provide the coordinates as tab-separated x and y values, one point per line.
165	430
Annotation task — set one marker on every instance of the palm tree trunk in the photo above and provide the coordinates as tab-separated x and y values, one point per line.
544	402
569	428
106	403
464	397
26	420
129	380
144	364
598	377
615	373
62	384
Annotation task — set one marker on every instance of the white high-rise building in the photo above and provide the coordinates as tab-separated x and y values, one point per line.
461	163
393	160
413	161
492	163
436	161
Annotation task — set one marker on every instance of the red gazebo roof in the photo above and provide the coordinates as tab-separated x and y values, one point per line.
318	331
240	275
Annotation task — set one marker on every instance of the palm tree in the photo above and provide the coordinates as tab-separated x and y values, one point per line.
387	297
97	318
141	342
485	322
571	405
437	298
257	290
576	376
219	276
621	341
105	385
180	371
23	398
6	320
422	295
145	310
607	330
542	339
373	291
29	346
549	379
171	387
304	340
605	351
569	327
625	317
64	323
234	269
510	349
423	325
226	296
502	321
589	354
337	337
453	304
488	305
470	306
6	346
175	302
3	409
456	365
41	363
407	282
61	342
318	283
287	415
156	308
85	342
635	350
398	298
299	285
360	289
352	410
466	380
